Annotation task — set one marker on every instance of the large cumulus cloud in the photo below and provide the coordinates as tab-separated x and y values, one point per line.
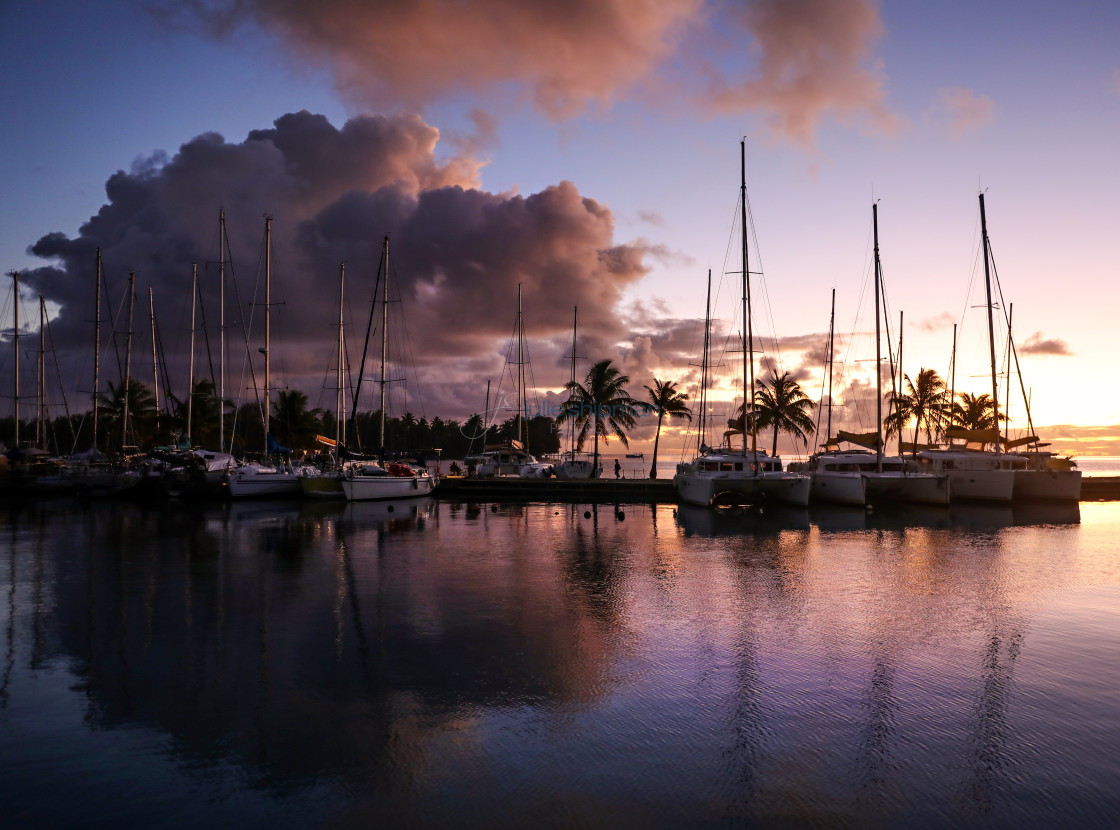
458	253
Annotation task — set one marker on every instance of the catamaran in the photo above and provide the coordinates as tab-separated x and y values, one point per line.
723	476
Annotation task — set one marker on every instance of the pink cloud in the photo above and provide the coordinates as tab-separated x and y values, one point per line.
964	110
1035	344
811	60
813	56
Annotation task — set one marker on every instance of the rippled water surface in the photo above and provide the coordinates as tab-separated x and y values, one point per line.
428	664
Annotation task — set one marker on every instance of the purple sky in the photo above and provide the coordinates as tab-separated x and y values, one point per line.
588	152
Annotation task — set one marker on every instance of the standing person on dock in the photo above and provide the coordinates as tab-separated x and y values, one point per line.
617	468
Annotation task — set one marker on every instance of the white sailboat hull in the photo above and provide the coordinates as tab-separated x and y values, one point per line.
714	489
368	488
994	486
912	488
253	482
838	487
1057	485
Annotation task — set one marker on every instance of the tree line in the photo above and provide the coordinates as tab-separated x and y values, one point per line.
598	407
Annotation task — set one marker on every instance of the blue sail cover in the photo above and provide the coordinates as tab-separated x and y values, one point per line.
274	448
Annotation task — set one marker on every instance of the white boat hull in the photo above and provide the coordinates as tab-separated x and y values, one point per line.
838	487
911	488
575	470
1057	485
248	483
368	488
993	486
714	489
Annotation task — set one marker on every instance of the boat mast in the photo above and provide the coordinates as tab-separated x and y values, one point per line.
520	370
155	361
878	352
831	345
267	325
128	357
340	398
190	376
575	323
953	376
223	244
384	340
15	346
96	348
41	425
485	418
704	371
748	354
991	324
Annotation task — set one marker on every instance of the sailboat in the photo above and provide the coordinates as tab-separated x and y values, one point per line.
573	467
363	481
327	481
835	475
885	479
267	478
512	458
976	473
721	476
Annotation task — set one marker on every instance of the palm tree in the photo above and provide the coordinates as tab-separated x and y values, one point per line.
600	405
204	411
973	412
667	401
926	403
779	404
293	422
141	410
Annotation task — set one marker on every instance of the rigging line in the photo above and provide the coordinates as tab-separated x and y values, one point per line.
166	377
61	388
206	341
403	327
761	273
248	351
365	346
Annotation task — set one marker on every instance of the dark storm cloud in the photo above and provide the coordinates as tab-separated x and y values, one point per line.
458	253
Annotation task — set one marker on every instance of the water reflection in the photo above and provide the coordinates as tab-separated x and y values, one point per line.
426	664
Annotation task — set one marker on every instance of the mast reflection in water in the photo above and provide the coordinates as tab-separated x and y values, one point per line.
430	664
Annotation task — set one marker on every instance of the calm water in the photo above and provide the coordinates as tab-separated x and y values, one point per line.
523	666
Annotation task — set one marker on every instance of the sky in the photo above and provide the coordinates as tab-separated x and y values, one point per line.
590	153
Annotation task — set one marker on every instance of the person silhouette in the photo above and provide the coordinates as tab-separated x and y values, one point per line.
617	468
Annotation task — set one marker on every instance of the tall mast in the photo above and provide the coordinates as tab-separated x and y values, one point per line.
155	361
831	344
748	352
575	322
128	356
953	373
384	339
41	395
520	368
267	324
190	374
15	347
704	370
485	418
878	350
340	398
96	348
991	325
223	244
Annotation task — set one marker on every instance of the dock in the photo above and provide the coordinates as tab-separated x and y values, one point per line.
660	491
653	490
1100	488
